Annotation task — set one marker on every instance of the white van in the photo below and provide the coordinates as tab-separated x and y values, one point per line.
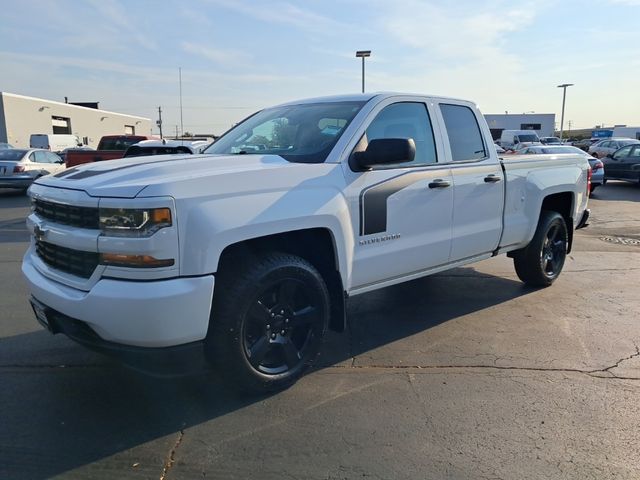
511	138
54	142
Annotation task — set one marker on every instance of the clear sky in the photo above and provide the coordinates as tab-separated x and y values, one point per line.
239	56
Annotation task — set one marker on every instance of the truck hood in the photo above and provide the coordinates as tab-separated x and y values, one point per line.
128	177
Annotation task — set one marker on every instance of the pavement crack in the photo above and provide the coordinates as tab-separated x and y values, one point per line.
168	463
591	373
50	366
617	364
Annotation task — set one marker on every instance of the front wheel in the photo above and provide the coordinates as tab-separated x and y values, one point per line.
268	321
539	264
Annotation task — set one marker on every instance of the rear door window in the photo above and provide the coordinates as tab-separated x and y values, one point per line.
465	138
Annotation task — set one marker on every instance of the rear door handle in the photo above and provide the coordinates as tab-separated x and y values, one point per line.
493	178
439	183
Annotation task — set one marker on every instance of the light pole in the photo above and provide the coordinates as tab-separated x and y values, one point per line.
363	54
564	96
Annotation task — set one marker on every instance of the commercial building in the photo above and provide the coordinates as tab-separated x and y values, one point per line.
542	123
21	116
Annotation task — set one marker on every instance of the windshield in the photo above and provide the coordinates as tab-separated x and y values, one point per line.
303	133
528	138
11	154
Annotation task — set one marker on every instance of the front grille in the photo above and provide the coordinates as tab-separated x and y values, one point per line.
82	217
76	262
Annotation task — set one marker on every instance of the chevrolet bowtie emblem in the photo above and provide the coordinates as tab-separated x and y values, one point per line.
39	233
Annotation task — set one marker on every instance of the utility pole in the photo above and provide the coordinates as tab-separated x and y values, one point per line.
181	124
564	96
159	121
569	133
177	132
363	54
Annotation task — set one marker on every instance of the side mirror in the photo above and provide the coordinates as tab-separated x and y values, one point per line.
384	151
609	155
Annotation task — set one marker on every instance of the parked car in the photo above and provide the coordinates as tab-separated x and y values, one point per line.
550	141
5	146
499	149
109	148
246	257
604	147
623	164
164	147
54	142
597	166
19	168
522	146
585	143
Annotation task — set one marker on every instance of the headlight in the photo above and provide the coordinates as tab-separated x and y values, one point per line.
133	222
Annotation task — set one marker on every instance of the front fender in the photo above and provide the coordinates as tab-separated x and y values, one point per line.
208	227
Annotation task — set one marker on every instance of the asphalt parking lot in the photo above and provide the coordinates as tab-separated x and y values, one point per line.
466	374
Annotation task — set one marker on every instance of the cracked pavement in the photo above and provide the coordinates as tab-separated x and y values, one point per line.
463	375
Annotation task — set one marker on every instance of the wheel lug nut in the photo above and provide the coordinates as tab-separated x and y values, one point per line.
273	335
273	314
286	320
282	332
268	327
281	312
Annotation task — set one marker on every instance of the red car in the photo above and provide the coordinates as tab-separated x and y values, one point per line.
109	148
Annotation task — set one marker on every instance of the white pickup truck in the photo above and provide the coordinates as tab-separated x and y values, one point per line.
245	255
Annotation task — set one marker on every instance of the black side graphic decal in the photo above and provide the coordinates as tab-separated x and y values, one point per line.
373	201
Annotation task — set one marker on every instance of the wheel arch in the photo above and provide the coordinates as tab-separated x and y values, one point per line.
316	245
563	203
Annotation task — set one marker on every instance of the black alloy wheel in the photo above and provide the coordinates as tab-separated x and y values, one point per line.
539	264
268	320
554	250
280	326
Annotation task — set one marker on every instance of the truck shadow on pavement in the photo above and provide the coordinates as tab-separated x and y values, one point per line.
64	407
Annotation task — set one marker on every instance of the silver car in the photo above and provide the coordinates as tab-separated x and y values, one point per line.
19	168
597	167
609	145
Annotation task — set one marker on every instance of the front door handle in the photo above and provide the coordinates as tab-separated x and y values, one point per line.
493	178
439	183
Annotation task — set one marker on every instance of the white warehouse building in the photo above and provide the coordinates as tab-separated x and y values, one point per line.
542	123
22	116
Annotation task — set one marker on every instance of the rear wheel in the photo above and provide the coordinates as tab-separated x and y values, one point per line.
540	263
268	322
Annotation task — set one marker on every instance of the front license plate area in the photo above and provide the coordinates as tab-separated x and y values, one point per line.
40	312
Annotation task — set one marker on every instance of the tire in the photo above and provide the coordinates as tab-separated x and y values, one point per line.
268	321
539	264
593	187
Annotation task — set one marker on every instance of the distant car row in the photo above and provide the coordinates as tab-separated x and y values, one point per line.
622	163
20	167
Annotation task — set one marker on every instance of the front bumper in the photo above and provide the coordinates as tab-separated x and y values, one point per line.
155	314
165	361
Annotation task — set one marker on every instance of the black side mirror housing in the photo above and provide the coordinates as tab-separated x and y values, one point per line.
384	151
610	155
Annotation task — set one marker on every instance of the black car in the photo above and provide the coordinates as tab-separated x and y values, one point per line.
623	164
